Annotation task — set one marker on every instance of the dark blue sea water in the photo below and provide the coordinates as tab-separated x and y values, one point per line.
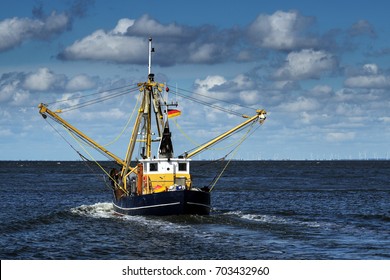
261	210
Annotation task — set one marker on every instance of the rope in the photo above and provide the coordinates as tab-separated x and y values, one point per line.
94	160
64	139
81	155
185	134
126	125
209	148
214	182
84	159
220	108
94	101
216	149
84	96
213	98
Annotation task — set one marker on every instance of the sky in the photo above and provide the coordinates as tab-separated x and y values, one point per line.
321	69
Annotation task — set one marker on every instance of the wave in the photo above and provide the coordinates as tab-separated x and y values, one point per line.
32	222
105	210
380	217
97	210
272	219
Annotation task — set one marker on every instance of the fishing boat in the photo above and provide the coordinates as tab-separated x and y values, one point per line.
154	181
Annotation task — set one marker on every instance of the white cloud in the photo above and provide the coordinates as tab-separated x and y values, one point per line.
12	93
306	64
147	25
43	80
231	94
80	82
203	86
5	132
128	43
340	136
4	115
207	44
362	27
282	31
104	46
316	119
203	53
69	100
373	81
242	81
349	109
111	114
240	89
54	24
300	104
7	90
122	26
384	119
249	97
369	77
20	97
306	118
284	85
14	31
344	95
371	69
322	90
211	87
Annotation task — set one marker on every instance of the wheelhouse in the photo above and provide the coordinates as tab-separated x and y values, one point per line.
166	174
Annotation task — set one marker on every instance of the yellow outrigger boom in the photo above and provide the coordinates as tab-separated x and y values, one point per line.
43	110
260	114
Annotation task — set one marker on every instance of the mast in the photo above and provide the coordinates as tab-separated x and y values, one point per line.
148	105
150	56
142	130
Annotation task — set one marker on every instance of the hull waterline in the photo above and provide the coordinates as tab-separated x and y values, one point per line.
185	202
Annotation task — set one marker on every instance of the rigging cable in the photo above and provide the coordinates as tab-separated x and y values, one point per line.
209	148
212	98
215	149
185	134
101	99
84	159
77	139
62	136
85	141
96	100
91	94
214	182
126	125
217	107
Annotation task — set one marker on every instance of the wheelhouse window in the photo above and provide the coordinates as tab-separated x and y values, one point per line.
153	166
182	166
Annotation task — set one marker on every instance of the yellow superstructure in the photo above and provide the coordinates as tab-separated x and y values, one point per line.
164	175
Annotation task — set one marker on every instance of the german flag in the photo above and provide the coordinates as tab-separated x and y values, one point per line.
173	113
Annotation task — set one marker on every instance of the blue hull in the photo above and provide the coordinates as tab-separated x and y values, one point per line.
165	203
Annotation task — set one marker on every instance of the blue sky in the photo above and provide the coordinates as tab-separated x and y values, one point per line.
321	69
